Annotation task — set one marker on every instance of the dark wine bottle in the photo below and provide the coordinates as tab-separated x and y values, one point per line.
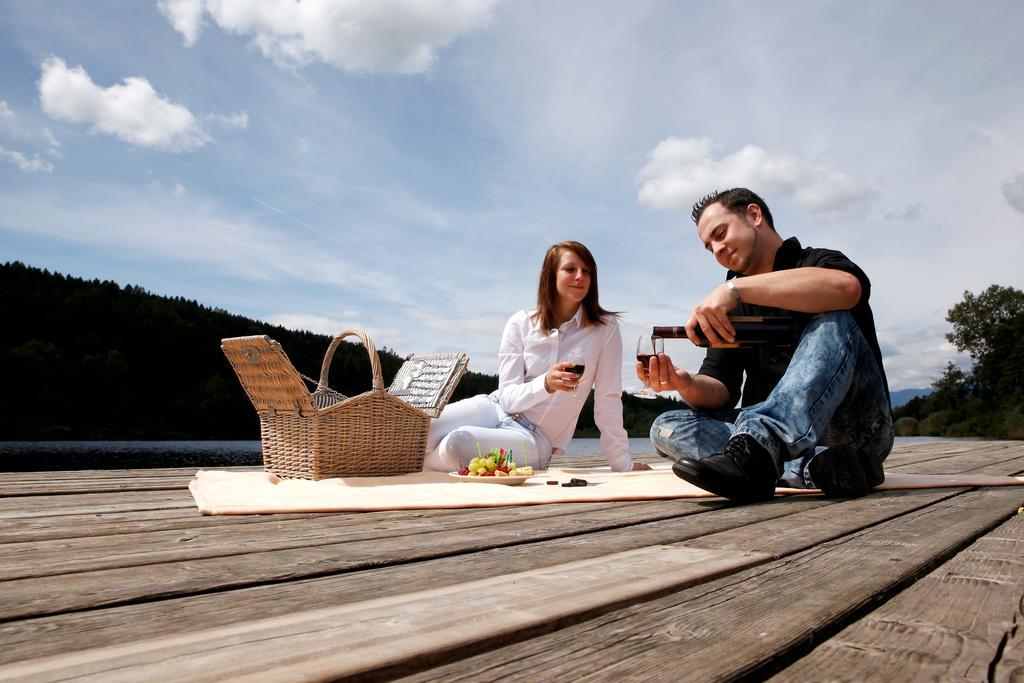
751	331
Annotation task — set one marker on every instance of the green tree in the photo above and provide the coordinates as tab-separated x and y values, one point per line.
952	389
987	400
977	320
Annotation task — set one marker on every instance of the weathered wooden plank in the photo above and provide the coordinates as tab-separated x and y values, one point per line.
91	503
72	555
46	488
802	518
82	481
960	457
954	624
1014	466
1006	461
46	594
778	536
385	633
72	481
733	626
912	462
85	481
152	546
468	564
76	475
99	627
320	563
102	524
781	536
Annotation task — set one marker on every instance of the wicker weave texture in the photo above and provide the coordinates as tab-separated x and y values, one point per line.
371	434
268	377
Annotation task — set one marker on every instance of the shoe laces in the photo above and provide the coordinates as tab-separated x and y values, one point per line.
738	449
749	455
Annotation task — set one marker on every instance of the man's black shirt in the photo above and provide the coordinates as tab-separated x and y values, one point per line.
764	366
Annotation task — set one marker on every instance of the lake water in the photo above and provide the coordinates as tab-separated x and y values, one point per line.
26	456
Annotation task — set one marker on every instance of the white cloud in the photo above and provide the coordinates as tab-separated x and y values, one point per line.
1013	191
33	165
179	189
132	111
317	324
320	324
400	36
913	360
909	213
52	143
159	225
679	171
238	120
482	324
9	122
186	17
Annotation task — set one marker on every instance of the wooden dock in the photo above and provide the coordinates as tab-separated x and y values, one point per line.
114	576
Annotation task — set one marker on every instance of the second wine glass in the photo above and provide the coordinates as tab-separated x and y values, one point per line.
646	346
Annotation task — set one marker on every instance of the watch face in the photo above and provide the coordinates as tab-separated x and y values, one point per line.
735	292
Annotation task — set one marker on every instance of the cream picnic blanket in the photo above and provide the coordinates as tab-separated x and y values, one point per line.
250	493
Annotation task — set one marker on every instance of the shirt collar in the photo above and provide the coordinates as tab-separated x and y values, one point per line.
576	320
788	254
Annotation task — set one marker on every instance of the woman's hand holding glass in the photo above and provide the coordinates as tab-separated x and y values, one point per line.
561	377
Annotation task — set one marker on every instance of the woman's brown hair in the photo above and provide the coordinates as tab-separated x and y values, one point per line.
547	291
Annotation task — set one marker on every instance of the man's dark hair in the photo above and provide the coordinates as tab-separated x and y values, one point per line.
736	200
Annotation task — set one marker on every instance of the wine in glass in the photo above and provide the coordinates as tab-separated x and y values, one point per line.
577	368
646	346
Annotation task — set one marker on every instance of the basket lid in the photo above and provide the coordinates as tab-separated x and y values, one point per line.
426	382
268	377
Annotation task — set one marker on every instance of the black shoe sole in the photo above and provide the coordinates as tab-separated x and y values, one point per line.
737	489
839	474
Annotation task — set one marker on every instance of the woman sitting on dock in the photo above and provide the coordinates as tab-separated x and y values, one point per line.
549	360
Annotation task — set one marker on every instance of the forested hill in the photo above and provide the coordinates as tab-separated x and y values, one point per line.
88	359
85	359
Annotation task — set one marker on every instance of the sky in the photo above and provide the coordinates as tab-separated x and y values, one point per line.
401	166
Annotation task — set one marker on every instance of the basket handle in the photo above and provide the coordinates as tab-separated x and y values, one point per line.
371	351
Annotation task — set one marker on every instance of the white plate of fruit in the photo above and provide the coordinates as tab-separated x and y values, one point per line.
497	467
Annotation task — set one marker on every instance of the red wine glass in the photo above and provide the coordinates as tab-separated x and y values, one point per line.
646	346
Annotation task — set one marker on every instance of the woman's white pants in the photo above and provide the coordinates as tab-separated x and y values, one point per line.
479	421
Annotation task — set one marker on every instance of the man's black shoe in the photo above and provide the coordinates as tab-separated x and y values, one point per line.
744	471
838	473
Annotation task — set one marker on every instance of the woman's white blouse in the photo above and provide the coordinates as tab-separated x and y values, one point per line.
526	355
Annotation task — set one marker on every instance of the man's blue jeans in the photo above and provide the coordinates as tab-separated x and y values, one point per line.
832	394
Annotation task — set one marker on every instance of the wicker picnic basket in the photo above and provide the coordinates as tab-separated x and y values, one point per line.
326	434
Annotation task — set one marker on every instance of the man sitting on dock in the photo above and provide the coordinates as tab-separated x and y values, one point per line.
816	413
